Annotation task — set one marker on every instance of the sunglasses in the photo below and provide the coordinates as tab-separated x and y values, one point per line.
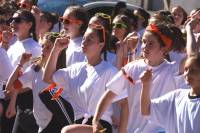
24	5
69	21
103	15
119	25
98	27
16	20
3	21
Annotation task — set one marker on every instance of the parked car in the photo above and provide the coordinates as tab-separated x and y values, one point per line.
58	6
106	7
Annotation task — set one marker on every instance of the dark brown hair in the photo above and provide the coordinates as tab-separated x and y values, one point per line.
80	13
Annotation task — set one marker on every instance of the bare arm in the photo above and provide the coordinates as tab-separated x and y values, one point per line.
191	47
145	100
50	67
10	112
123	116
102	105
36	13
24	58
145	94
119	55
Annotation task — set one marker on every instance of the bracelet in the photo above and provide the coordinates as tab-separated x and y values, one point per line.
131	53
20	65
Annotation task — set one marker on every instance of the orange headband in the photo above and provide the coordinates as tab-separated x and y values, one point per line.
167	41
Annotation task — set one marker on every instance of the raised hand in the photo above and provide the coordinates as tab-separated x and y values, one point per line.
61	43
193	23
6	36
146	77
131	40
196	15
36	12
97	127
25	58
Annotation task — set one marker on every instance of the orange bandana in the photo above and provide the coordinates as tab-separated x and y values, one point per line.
167	41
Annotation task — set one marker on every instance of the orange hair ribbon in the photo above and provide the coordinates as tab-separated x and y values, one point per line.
167	41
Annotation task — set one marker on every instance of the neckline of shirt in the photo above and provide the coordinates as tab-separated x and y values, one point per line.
25	40
154	68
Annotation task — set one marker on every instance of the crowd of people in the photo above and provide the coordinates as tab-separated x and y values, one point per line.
122	72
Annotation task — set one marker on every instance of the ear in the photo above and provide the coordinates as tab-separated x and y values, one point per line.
30	24
101	44
165	50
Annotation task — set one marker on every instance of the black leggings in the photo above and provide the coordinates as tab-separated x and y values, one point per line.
62	111
53	126
105	124
6	124
25	122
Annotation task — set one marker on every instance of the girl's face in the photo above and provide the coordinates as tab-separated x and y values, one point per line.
177	14
151	48
90	44
118	29
4	23
44	26
192	73
19	26
46	48
71	24
24	4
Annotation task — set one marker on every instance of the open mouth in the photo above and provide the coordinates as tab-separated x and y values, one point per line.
83	49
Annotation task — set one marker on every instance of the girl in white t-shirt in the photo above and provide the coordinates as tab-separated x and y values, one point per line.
74	21
5	71
156	42
179	110
32	78
116	59
84	82
23	26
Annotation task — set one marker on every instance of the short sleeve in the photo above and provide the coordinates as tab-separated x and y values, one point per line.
121	96
27	77
163	110
6	66
118	83
61	77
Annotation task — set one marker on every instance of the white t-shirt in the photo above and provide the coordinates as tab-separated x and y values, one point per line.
84	85
111	57
177	112
162	82
33	80
25	46
5	70
74	52
177	56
